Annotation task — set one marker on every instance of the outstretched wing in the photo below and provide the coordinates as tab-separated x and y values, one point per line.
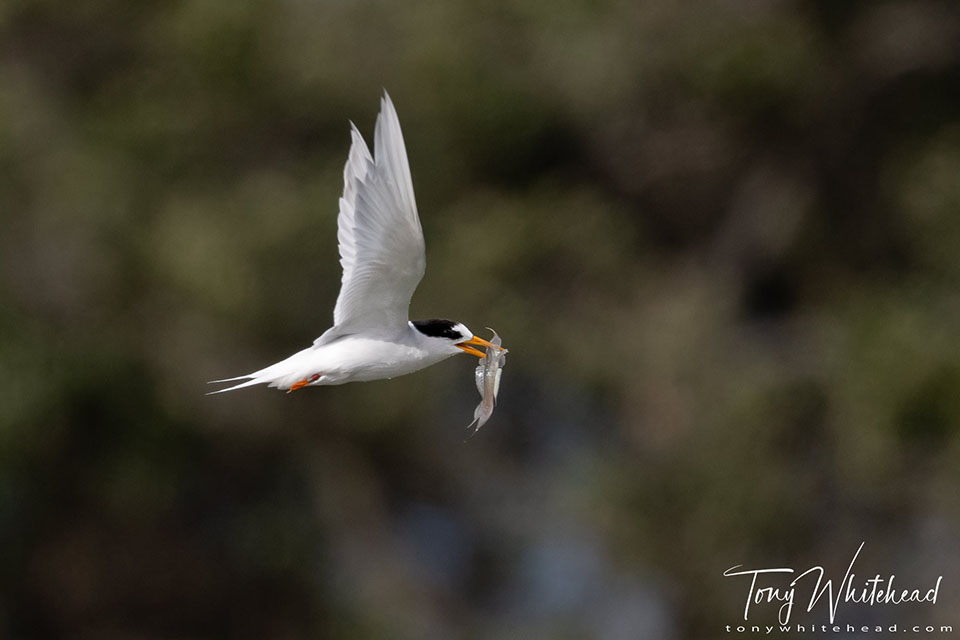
381	242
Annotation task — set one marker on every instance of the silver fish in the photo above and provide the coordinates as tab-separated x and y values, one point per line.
487	375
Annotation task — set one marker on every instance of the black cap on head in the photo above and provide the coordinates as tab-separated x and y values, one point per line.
439	329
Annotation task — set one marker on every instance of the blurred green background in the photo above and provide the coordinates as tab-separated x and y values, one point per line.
720	240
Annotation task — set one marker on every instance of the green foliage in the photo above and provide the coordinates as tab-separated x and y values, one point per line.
719	239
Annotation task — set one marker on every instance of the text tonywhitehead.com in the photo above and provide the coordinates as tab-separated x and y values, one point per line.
826	628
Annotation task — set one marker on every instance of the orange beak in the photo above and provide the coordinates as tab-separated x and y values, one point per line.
477	341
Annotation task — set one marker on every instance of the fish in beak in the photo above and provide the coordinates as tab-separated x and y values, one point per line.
480	342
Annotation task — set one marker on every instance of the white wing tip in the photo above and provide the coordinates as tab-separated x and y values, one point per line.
386	105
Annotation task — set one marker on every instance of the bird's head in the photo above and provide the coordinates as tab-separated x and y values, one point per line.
455	333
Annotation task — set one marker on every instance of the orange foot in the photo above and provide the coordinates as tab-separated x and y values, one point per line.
300	384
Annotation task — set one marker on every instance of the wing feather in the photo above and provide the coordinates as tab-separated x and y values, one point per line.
378	231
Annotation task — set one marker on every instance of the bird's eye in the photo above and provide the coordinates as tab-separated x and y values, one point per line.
314	377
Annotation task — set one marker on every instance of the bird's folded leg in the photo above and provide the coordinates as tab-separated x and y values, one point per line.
300	384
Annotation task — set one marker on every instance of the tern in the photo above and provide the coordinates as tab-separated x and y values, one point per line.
382	255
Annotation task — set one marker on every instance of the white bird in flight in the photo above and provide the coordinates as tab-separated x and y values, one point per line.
382	255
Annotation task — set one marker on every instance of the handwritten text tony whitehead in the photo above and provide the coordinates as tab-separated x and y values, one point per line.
876	591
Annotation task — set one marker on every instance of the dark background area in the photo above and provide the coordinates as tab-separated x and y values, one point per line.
720	240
